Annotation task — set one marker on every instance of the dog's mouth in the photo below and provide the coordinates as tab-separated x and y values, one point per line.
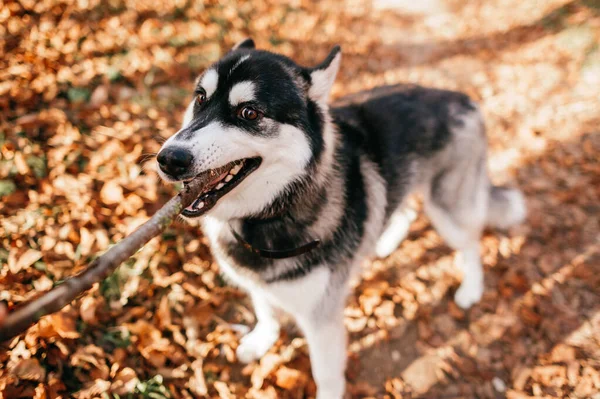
233	174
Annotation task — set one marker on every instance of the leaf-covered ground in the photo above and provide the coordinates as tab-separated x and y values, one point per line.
88	91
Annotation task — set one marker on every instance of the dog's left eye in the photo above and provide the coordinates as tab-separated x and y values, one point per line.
248	113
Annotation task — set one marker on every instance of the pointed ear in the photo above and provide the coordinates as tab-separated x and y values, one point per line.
246	43
323	75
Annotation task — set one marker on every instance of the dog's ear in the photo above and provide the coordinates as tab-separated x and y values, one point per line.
323	75
246	43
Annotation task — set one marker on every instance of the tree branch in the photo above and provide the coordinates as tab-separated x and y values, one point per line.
60	296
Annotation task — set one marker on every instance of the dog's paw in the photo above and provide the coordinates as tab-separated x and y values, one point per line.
468	294
256	343
333	391
390	240
385	248
395	233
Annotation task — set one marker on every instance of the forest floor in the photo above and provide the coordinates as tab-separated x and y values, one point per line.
90	89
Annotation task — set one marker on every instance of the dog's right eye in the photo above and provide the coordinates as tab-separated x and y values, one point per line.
200	98
249	113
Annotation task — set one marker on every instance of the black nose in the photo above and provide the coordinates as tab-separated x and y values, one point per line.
174	161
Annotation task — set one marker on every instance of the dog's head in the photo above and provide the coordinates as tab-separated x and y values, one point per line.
260	114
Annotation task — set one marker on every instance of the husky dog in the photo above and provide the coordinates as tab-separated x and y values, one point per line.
312	189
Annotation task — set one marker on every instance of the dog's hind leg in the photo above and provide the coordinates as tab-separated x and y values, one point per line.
457	204
463	236
395	231
266	332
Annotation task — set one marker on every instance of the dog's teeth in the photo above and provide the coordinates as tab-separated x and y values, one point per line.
220	186
228	178
235	169
200	205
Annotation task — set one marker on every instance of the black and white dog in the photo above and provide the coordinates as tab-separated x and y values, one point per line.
313	189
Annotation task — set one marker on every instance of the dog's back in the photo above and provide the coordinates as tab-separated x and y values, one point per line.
433	142
401	127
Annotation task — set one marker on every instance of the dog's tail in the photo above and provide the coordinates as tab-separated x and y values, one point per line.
506	207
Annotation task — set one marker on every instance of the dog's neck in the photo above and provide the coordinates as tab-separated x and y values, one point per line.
296	203
303	198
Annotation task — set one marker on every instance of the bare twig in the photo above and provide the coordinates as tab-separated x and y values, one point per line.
58	297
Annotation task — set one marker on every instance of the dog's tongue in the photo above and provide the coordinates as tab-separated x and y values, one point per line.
218	179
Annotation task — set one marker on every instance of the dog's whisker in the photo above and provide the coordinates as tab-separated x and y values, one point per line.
148	166
146	157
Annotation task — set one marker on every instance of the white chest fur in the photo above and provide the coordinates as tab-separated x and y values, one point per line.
292	296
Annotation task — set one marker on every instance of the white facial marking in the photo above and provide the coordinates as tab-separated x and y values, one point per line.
242	92
237	64
188	116
209	82
284	158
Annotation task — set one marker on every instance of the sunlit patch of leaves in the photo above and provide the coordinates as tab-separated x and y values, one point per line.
145	94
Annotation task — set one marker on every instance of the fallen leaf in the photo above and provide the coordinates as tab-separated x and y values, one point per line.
288	378
29	369
27	259
111	193
87	310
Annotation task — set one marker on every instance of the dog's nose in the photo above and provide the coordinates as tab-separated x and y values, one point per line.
174	161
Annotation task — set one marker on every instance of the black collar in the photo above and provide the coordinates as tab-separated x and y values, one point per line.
276	253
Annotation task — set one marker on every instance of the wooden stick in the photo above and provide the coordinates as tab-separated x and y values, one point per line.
60	296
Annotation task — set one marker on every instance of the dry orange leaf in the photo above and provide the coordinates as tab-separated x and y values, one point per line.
29	369
58	324
111	193
288	378
27	259
87	310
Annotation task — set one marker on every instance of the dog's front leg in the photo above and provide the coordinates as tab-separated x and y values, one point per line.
326	337
266	332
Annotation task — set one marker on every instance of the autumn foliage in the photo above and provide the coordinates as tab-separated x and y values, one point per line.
90	89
